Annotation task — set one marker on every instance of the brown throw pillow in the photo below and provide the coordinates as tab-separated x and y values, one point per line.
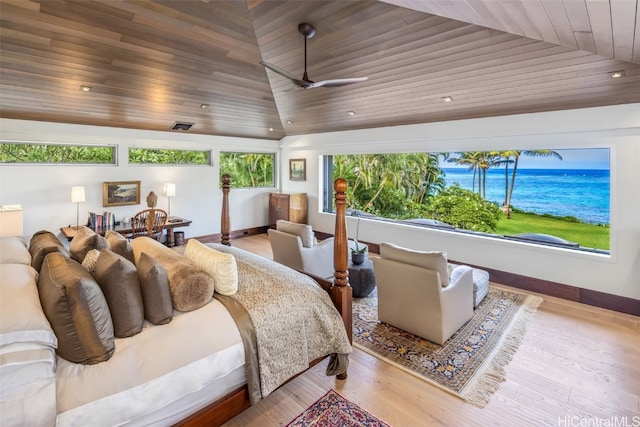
43	243
119	244
85	240
191	287
76	309
118	279
156	294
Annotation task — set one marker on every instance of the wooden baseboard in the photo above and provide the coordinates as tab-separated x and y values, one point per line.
236	234
572	293
546	287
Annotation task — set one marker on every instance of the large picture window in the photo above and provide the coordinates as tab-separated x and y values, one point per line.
551	197
27	152
248	169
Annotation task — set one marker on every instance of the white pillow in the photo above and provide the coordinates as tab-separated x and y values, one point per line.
432	260
222	267
13	250
304	231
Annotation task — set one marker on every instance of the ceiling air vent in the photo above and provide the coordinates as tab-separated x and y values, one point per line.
181	126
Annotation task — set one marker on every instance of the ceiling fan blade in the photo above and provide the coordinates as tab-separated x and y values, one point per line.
336	82
286	74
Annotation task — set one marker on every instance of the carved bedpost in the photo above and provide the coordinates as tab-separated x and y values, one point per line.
341	291
225	222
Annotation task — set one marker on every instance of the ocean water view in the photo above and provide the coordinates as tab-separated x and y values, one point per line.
582	193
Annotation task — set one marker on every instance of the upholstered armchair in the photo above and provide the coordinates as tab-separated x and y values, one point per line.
295	246
417	294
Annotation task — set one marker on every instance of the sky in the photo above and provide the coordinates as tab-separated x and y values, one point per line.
587	158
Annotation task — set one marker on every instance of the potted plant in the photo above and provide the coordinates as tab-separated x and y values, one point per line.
358	252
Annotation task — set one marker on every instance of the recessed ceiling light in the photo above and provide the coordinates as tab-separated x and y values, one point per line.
616	74
270	129
290	122
351	113
204	106
85	88
447	99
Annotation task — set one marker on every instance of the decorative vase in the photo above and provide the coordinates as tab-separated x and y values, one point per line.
357	258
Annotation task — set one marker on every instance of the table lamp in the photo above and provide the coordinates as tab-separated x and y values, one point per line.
169	190
77	197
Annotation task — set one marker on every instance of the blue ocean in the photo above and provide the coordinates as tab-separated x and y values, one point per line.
581	193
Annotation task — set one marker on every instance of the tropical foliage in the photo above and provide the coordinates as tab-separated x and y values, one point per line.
248	169
56	153
465	209
169	157
390	185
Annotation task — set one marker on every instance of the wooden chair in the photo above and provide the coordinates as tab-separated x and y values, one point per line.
149	222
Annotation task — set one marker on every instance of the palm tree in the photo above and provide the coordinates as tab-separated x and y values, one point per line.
432	180
480	162
469	158
487	160
516	155
507	155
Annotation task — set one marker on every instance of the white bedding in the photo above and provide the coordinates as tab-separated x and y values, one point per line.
27	350
155	374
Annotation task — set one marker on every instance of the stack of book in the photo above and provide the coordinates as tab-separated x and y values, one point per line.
102	220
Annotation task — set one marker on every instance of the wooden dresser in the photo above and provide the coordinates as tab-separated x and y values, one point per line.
290	207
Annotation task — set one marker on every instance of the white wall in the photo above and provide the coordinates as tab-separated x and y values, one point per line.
615	127
44	190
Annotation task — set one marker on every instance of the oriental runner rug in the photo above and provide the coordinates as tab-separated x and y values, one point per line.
471	363
333	410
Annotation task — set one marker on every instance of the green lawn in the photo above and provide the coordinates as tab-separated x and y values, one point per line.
589	236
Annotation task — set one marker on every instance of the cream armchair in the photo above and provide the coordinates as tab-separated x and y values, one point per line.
295	246
416	293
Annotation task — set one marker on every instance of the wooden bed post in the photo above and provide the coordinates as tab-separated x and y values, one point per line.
225	222
341	292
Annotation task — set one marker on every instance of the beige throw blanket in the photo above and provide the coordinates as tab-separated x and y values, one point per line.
294	319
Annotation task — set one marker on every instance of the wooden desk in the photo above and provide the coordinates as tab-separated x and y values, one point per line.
70	232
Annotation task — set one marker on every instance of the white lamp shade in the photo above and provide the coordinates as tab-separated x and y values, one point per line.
169	190
77	195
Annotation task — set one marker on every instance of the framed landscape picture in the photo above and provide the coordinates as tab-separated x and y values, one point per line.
120	193
298	169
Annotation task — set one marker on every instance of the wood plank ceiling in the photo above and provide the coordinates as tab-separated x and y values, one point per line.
151	63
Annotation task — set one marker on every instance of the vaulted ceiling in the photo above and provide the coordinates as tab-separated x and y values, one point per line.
152	63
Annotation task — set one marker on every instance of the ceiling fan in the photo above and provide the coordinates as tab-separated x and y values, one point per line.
308	31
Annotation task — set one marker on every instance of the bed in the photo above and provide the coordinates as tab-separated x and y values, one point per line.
201	368
339	291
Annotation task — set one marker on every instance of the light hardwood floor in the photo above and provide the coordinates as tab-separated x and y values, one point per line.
576	364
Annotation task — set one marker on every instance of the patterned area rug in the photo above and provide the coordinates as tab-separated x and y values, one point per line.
471	363
333	410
